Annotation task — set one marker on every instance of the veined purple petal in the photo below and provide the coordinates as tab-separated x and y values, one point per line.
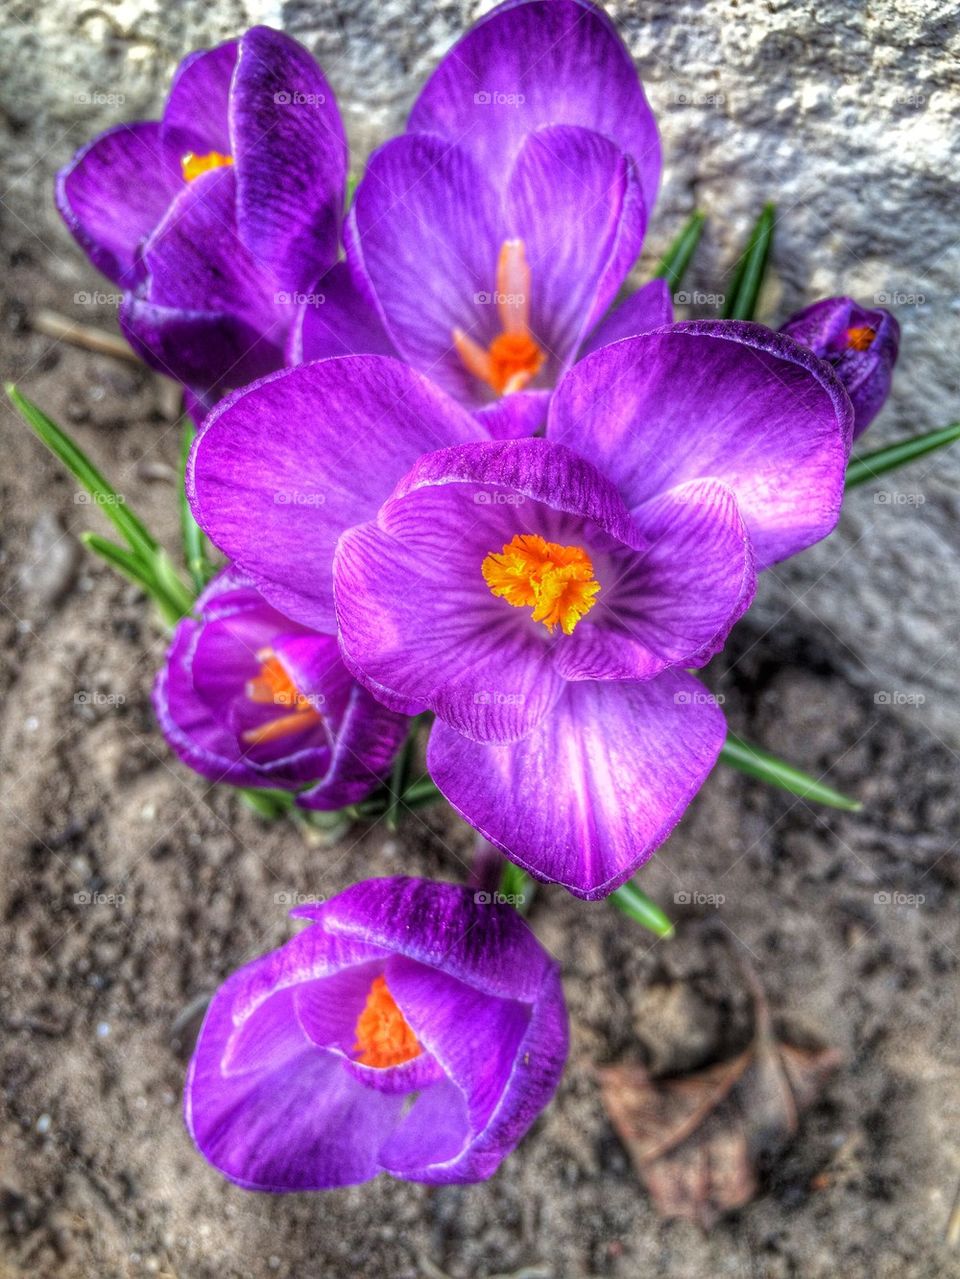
649	308
592	792
533	63
676	601
577	264
424	230
719	399
115	192
290	154
196	117
418	623
276	499
213	721
481	996
514	416
336	318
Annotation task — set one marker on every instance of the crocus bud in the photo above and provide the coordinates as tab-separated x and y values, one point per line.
861	345
220	218
414	1028
248	697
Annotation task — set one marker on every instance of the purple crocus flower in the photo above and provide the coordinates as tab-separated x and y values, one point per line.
545	598
220	218
248	697
414	1028
494	235
861	345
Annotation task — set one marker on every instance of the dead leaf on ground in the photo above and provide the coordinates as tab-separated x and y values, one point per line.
696	1139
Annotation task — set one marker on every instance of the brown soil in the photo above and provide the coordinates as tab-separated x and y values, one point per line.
98	1001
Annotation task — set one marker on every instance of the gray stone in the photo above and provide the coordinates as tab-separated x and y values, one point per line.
842	112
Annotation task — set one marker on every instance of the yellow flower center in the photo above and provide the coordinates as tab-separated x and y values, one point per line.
557	582
273	686
860	338
383	1036
513	358
193	165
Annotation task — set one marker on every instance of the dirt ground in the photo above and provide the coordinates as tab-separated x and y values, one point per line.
128	890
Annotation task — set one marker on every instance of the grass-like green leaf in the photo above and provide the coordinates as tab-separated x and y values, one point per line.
741	303
131	566
111	503
870	466
777	772
674	263
633	901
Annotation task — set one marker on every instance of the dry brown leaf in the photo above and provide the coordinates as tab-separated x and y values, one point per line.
696	1139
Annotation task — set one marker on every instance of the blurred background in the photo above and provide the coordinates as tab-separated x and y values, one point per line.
846	116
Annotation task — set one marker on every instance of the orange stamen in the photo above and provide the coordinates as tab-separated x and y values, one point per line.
513	358
192	165
860	338
273	686
383	1036
557	582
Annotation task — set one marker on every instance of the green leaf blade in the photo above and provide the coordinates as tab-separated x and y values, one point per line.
635	903
760	764
870	466
747	281
673	265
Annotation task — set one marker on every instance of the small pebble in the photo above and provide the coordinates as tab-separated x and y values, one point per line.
43	1124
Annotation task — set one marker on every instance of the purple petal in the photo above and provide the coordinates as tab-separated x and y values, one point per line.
424	231
677	600
336	318
291	157
196	117
649	308
577	264
276	500
537	63
511	417
719	399
115	192
367	738
419	625
265	1105
589	795
485	944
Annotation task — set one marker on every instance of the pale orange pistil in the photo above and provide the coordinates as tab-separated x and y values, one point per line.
273	686
383	1036
557	582
860	338
513	358
192	165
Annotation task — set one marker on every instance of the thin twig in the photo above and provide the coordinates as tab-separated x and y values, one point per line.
61	327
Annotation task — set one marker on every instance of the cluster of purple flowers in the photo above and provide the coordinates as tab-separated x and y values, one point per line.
449	475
